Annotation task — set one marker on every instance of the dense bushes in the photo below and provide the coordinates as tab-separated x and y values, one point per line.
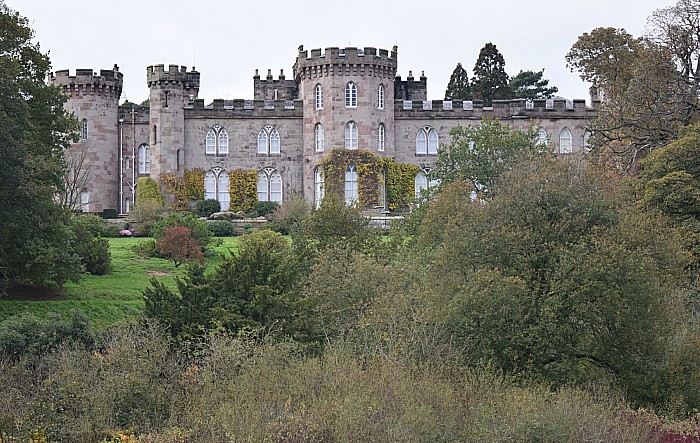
92	250
259	390
220	228
207	207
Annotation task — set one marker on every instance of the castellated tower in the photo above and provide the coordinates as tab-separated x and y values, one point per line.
94	101
346	92
171	90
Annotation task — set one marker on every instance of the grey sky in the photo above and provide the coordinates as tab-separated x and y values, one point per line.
227	40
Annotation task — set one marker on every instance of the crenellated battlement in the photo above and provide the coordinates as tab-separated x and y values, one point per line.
157	75
107	83
502	109
345	61
411	89
239	108
270	88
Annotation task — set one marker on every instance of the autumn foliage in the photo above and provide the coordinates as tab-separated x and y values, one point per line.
178	244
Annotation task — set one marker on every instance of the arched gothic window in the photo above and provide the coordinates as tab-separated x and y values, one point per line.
351	194
350	95
217	141
380	97
351	135
319	96
318	132
269	185
144	159
268	140
542	137
319	186
422	182
565	142
84	131
216	187
427	141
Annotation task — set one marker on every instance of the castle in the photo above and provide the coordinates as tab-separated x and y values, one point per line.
349	97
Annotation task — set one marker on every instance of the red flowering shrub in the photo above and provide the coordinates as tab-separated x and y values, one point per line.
178	244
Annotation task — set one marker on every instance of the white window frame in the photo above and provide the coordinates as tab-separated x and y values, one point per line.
542	137
216	141
216	187
381	138
270	185
566	143
427	141
144	152
351	186
84	130
269	141
318	137
318	95
351	95
351	135
380	97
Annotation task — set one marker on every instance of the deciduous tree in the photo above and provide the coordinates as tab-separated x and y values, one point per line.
479	154
34	131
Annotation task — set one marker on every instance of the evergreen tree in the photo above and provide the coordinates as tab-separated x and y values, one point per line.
458	88
531	85
490	81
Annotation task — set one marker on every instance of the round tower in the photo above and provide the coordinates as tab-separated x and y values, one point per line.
348	101
94	100
170	90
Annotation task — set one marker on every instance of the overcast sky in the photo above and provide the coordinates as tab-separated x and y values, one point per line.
227	40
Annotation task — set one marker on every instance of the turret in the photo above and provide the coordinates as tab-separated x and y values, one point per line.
346	92
171	90
93	98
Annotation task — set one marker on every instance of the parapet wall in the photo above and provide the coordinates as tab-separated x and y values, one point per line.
345	61
157	75
463	109
246	109
87	82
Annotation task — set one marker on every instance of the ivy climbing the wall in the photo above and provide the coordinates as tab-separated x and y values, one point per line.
243	190
400	181
373	172
189	187
368	174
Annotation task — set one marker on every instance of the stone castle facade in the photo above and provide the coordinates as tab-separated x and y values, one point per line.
339	97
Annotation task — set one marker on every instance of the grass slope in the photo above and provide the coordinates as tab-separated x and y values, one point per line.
106	299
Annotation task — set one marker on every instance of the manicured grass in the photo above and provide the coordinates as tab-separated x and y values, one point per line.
106	299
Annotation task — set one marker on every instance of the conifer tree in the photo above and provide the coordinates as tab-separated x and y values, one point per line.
531	85
458	88
490	81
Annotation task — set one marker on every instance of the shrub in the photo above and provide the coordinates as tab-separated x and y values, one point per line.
93	251
197	227
145	214
27	333
179	245
265	208
290	213
145	248
220	228
148	190
111	231
92	223
207	207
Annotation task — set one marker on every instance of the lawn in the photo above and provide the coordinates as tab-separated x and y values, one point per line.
109	298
